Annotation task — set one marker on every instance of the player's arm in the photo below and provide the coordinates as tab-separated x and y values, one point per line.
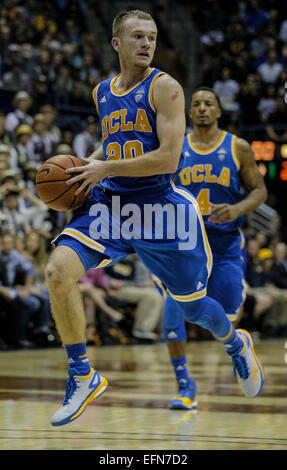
254	183
169	102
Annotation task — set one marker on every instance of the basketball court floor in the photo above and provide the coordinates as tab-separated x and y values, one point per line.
133	413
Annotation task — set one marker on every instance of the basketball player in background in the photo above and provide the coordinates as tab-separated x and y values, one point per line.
220	171
142	114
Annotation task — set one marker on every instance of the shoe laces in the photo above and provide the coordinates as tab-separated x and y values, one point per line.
240	365
185	388
71	387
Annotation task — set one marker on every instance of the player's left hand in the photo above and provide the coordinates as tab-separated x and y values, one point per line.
89	175
222	213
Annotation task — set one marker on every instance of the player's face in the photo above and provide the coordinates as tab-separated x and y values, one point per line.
204	109
137	42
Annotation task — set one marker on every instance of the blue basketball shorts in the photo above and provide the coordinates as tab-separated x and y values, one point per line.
164	227
226	283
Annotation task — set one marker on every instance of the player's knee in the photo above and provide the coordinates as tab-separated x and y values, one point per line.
63	268
191	310
59	274
54	272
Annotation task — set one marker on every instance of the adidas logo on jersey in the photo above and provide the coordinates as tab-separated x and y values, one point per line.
221	154
139	94
199	285
103	99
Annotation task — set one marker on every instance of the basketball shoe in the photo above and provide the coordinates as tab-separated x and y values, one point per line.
247	367
80	391
185	398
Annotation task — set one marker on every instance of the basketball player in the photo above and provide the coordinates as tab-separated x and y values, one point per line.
216	164
143	125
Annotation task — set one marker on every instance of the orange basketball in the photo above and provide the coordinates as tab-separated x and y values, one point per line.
51	183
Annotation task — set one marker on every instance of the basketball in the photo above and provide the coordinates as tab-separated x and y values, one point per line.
51	184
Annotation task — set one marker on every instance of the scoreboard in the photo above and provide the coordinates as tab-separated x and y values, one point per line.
271	159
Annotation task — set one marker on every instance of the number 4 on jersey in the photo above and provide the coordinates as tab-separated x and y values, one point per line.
204	202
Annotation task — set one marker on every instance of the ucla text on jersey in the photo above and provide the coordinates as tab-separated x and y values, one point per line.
128	121
213	177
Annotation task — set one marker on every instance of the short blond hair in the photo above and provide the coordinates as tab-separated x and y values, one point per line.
122	16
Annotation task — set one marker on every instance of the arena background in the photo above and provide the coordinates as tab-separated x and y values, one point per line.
56	52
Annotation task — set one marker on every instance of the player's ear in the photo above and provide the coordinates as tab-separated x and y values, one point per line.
219	113
115	43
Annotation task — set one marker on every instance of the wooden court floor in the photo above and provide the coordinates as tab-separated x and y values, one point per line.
133	414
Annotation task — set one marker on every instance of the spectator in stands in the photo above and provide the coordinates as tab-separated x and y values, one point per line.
271	68
88	69
63	85
138	288
28	55
40	144
22	210
9	180
5	136
40	94
281	84
262	241
15	78
267	104
227	90
279	266
14	220
42	65
35	251
22	102
211	70
248	98
94	286
87	141
260	278
80	95
283	31
53	131
23	135
29	171
4	163
257	274
255	17
67	137
9	153
56	60
276	125
108	71
20	305
63	149
258	47
5	41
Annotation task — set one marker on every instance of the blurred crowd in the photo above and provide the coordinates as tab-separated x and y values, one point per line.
243	57
43	68
266	285
48	50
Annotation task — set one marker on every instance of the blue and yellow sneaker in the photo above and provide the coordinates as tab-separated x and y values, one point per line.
185	398
247	367
80	391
